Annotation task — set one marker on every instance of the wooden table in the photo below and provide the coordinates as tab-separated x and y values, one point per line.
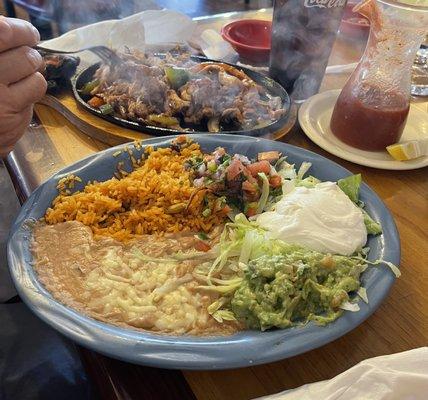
401	323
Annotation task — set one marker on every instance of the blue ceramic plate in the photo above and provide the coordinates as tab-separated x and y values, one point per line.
188	352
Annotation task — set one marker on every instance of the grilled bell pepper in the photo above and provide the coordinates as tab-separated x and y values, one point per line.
177	77
106	109
162	120
90	86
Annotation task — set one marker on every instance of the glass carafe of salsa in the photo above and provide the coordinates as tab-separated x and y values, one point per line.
372	108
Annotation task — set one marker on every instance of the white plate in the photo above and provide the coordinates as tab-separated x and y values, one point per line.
314	118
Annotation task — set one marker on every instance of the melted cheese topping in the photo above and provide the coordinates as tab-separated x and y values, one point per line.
122	284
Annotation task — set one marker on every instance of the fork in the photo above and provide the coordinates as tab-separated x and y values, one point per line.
104	53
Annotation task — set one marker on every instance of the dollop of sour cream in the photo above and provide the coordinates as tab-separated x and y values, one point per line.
321	218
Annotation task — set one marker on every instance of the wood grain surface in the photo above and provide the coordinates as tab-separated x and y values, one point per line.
401	323
90	124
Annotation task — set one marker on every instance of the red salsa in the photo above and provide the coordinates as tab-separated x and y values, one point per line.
368	118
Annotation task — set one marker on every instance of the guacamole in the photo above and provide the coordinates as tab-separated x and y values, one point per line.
295	285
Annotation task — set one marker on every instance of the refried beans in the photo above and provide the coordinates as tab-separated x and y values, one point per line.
136	284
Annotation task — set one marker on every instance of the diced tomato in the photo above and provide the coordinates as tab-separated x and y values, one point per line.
250	190
270	156
275	181
200	245
226	209
248	186
258	167
96	102
234	169
181	139
251	211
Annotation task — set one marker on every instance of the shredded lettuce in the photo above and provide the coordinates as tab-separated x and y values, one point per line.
279	163
304	167
265	193
351	186
373	227
308	182
348	306
287	186
291	178
362	292
392	267
212	308
395	270
222	289
247	245
287	171
225	315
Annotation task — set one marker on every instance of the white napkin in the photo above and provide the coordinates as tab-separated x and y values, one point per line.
154	29
214	47
145	30
401	376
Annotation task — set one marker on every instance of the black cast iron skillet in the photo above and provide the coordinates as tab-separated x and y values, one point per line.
272	88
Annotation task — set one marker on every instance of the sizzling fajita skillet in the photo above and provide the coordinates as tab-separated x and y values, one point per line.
270	88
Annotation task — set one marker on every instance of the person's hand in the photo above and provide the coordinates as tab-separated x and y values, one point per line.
21	85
